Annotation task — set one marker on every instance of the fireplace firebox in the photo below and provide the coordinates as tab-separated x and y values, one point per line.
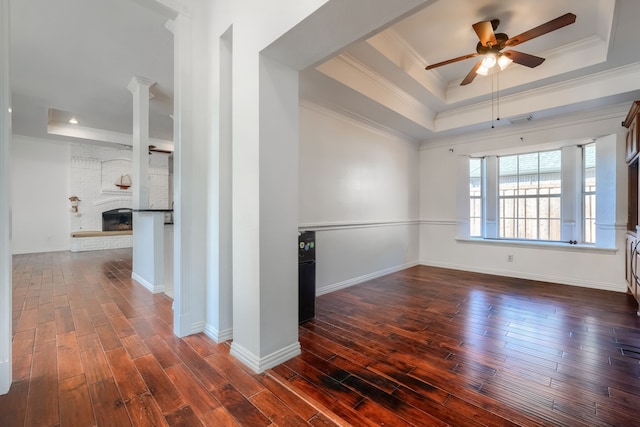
117	220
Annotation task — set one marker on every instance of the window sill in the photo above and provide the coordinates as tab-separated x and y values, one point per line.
537	245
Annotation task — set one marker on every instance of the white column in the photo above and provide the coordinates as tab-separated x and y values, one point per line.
219	324
148	233
606	184
571	209
139	87
491	210
190	129
5	213
265	220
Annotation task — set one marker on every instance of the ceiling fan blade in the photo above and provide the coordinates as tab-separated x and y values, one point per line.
485	33
154	149
450	61
472	74
525	59
554	24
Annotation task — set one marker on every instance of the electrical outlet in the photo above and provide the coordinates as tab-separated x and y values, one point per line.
509	258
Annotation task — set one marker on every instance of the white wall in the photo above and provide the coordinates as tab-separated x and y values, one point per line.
359	191
438	180
40	172
5	202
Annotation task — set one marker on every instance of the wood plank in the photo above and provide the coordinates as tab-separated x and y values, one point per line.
291	399
75	403
391	402
161	351
122	326
194	394
219	417
162	389
109	409
202	344
82	321
21	368
183	417
108	337
69	362
135	346
205	373
242	381
125	373
42	404
276	410
28	320
142	327
13	405
64	320
144	411
244	412
46	313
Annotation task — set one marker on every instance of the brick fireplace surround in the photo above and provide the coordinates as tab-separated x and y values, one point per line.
94	171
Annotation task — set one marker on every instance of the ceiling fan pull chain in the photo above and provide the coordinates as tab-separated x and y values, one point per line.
498	95
492	103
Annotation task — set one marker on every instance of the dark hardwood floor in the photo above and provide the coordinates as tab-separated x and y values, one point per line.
424	346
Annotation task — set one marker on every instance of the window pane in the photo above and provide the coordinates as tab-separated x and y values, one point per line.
528	164
555	207
508	165
544	229
529	195
589	192
550	161
554	229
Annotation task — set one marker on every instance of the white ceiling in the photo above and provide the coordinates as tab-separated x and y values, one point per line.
591	63
76	57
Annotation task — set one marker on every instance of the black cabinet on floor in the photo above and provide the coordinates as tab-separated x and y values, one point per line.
306	276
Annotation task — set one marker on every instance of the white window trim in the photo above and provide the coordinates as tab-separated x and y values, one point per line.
571	226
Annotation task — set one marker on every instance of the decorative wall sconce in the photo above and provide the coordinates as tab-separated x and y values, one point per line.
75	200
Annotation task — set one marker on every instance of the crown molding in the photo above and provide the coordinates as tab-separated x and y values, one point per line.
354	74
583	117
397	50
587	88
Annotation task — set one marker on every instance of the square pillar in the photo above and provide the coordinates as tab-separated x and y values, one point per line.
265	214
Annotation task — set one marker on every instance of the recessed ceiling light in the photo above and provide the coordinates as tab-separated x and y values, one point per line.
73	121
9	110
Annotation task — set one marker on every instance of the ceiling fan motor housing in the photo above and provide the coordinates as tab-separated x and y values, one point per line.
501	39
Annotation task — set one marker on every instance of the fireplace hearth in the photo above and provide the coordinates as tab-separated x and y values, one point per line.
117	220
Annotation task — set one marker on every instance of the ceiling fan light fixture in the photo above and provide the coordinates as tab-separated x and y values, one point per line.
489	61
482	70
504	61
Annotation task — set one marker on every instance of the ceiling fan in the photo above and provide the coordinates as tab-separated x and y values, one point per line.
491	45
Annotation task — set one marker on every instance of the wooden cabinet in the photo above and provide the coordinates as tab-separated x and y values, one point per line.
632	122
632	244
631	261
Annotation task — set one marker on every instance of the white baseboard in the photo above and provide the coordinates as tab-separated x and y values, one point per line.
196	327
346	283
5	376
530	276
147	285
216	335
259	365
